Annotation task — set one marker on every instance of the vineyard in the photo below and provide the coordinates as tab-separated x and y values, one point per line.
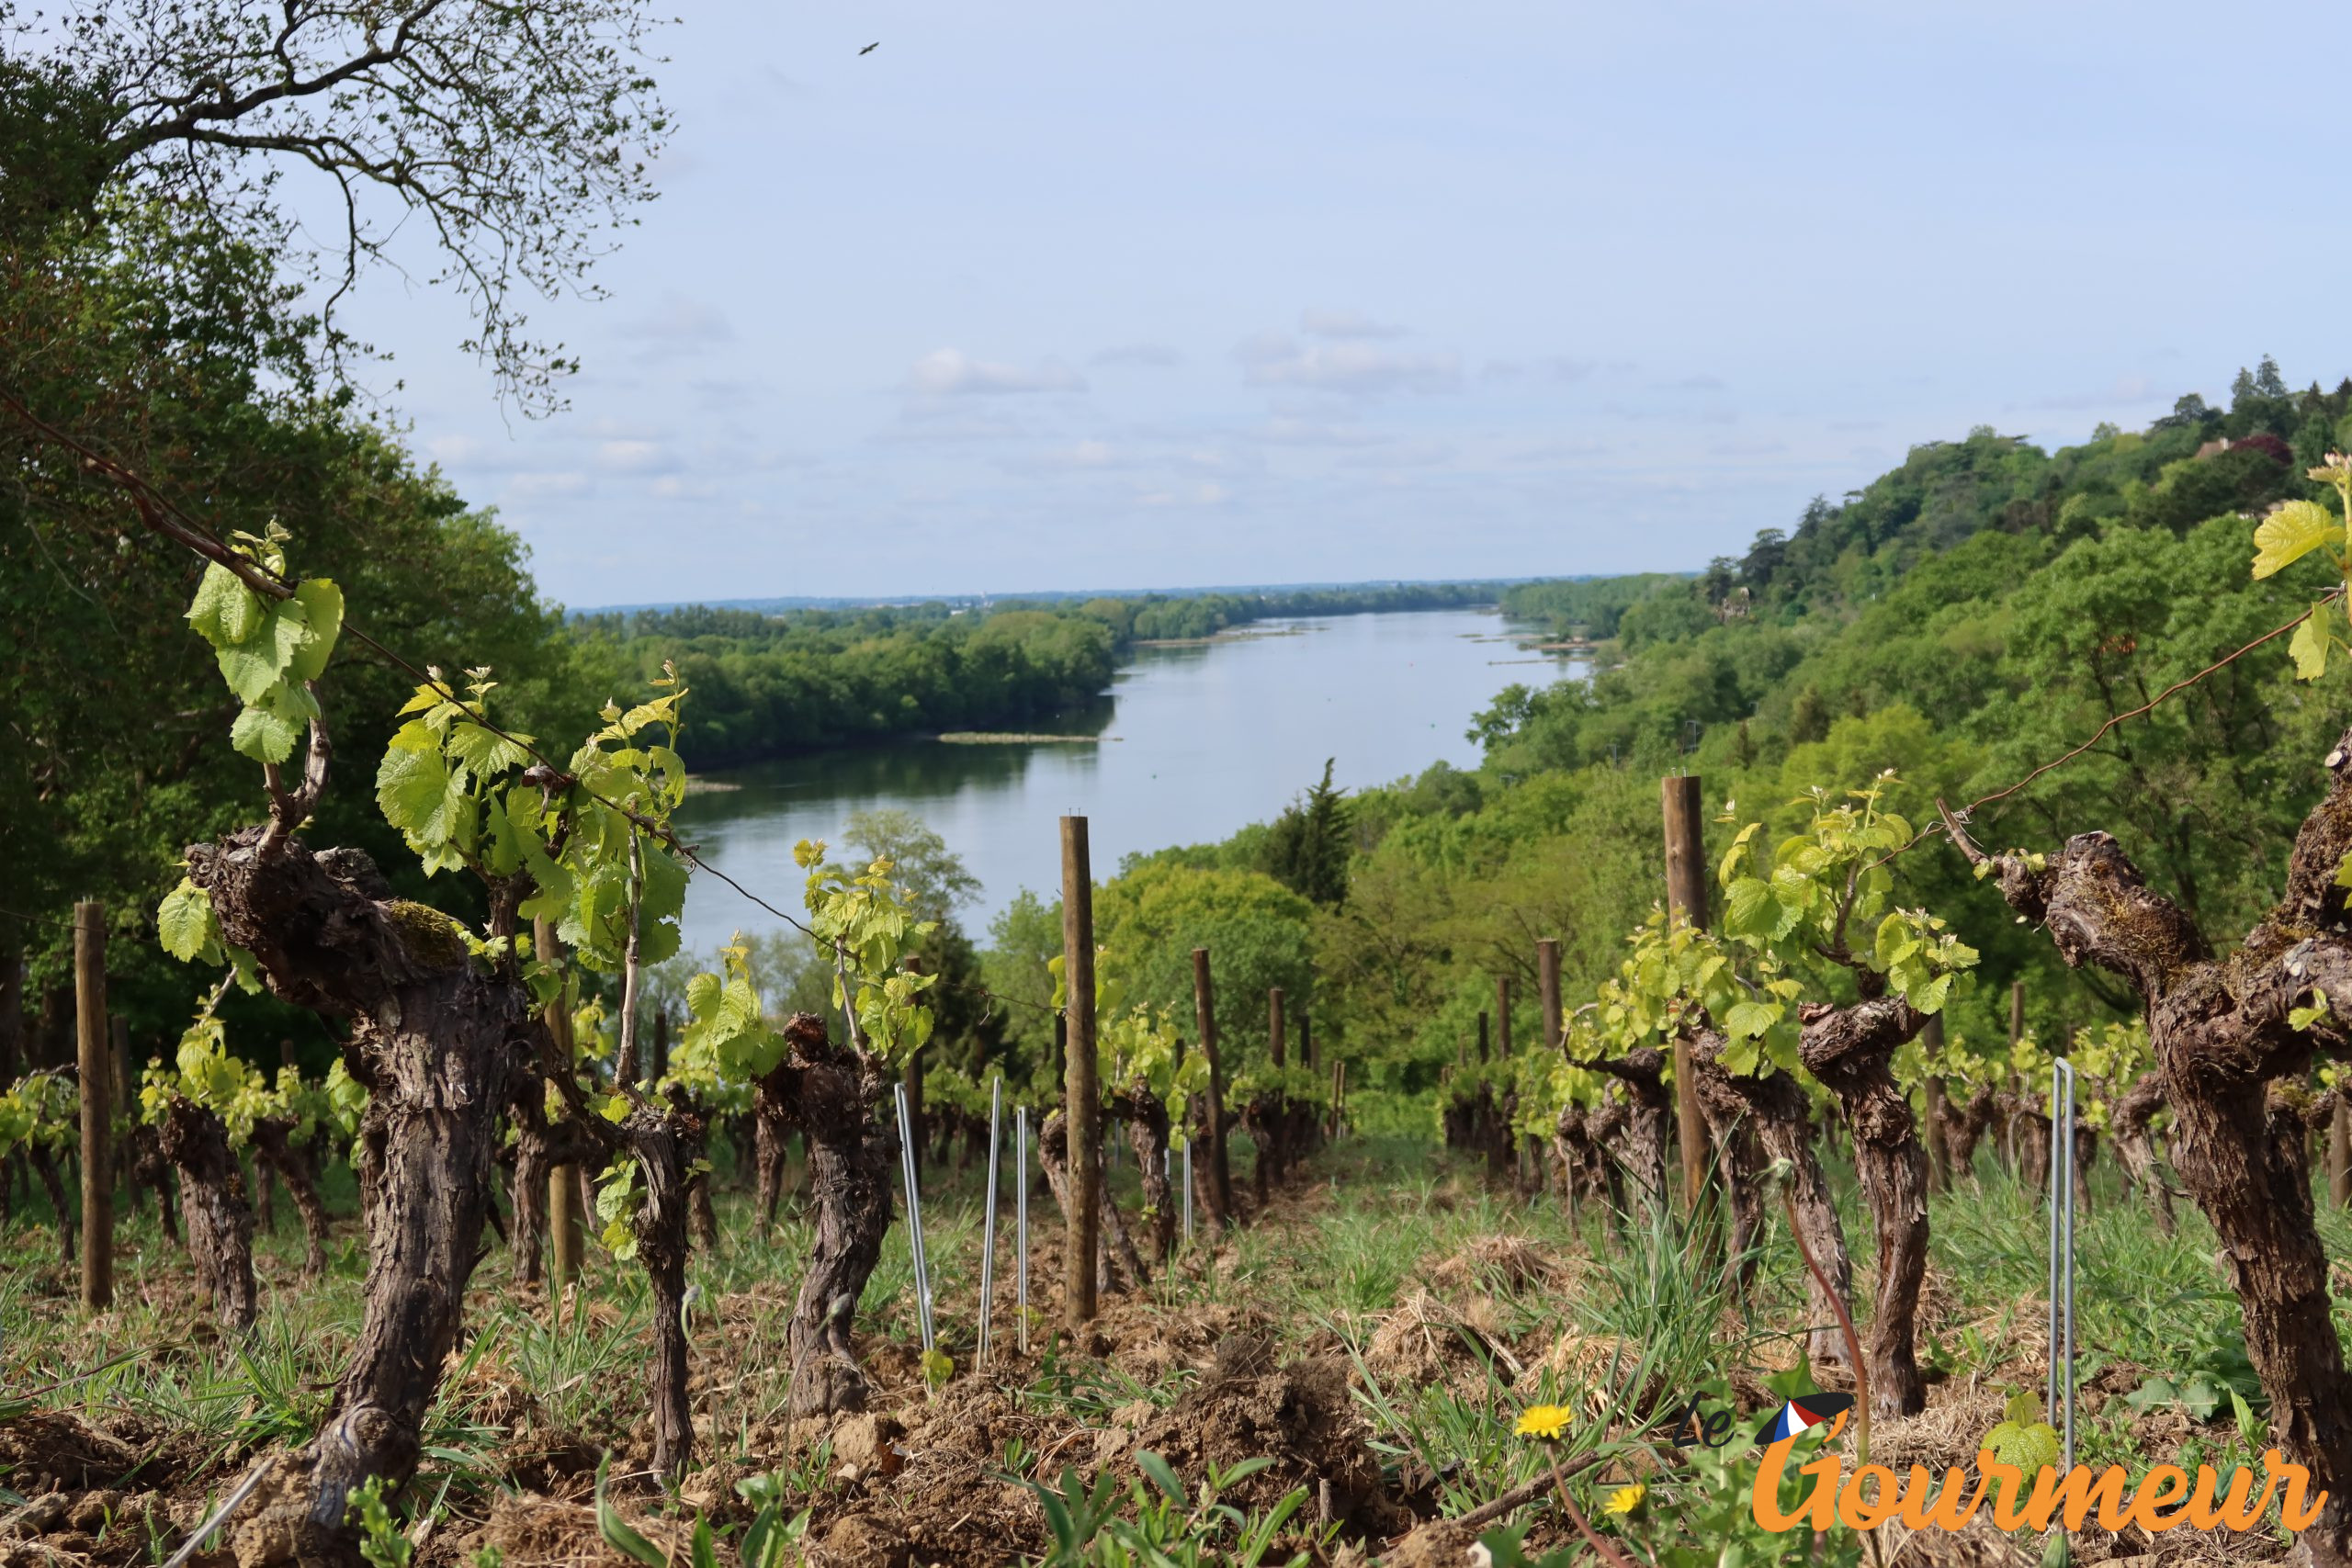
642	1261
1852	1078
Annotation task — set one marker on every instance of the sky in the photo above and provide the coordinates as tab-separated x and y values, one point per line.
1062	296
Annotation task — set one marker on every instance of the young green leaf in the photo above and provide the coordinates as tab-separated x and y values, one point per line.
2308	649
2289	534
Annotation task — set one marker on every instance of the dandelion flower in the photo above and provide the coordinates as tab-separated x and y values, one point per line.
1545	1421
1625	1499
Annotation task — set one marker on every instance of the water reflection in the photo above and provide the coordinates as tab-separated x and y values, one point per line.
1190	744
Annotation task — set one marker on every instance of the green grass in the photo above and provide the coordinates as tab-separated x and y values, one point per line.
1383	1212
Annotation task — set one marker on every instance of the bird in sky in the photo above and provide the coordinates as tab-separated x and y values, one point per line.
870	48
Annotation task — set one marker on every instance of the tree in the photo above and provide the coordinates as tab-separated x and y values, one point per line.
1306	850
517	135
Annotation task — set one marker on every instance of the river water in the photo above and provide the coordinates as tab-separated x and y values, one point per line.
1190	744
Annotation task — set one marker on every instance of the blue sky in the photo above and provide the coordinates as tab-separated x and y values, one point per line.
1061	295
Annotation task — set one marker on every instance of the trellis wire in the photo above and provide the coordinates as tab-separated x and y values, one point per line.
914	1216
1021	1225
2062	1247
988	1225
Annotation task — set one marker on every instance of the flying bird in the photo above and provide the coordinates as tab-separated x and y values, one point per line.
870	48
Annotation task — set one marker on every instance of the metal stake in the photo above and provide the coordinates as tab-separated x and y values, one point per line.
1021	1223
1188	1192
2062	1249
988	1225
914	1218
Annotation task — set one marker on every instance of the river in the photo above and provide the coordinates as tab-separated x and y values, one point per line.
1190	743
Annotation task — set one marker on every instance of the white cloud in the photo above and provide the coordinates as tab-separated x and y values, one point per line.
1344	324
951	372
542	485
1355	369
1284	430
1554	368
1157	357
635	457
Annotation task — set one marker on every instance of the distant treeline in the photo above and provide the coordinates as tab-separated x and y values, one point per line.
763	684
1584	606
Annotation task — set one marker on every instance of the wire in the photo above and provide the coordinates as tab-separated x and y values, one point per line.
1936	829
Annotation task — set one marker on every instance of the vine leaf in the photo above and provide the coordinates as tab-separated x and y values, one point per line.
2309	649
2289	534
321	604
185	923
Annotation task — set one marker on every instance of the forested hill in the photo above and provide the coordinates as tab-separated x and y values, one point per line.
1933	584
1972	615
764	683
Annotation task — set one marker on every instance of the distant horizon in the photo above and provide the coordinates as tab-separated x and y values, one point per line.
777	603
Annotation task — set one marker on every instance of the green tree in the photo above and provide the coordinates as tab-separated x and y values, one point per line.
1306	850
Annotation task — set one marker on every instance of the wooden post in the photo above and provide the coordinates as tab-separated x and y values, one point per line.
566	1218
1339	1083
1314	1064
1931	1040
12	999
1205	1019
95	1057
1080	1097
125	1091
1547	988
1274	1023
1482	1039
1686	895
1497	1106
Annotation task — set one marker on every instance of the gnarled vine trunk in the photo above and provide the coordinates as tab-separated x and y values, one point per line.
142	1155
831	1093
1117	1265
1147	1118
436	1038
769	1146
1849	1050
2135	1143
1775	1110
274	1150
2222	1032
212	1201
1640	1145
52	1182
666	1145
1964	1127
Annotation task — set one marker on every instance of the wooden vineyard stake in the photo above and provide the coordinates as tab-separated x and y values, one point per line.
1220	1190
1080	1097
566	1221
1686	895
94	1047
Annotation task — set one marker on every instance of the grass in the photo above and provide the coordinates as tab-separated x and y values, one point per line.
1381	1215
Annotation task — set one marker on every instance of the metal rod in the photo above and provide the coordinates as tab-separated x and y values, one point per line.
1188	1192
1021	1223
988	1223
914	1218
2062	1252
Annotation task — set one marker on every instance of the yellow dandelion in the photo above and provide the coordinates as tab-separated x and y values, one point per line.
1625	1499
1545	1421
